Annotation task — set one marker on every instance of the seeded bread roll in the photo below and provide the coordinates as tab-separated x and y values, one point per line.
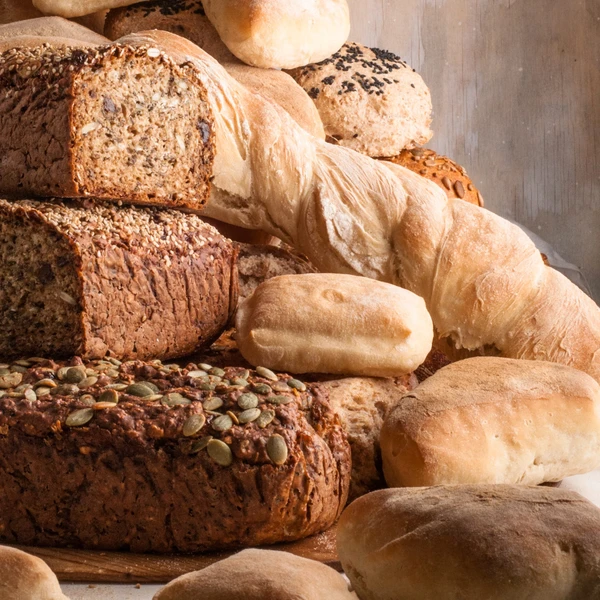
495	542
258	263
26	577
332	323
369	100
260	575
494	420
187	18
199	458
447	174
112	122
93	279
280	34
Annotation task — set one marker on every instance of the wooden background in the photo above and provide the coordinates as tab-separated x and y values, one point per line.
516	97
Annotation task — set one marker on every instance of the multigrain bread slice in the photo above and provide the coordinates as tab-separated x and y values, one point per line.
111	122
152	457
94	279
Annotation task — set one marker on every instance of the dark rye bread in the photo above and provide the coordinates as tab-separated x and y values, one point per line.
93	279
113	122
168	468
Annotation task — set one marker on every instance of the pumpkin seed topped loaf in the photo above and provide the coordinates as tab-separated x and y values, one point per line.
92	279
152	457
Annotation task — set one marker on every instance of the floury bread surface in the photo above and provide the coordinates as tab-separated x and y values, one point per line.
96	279
111	122
494	420
151	457
328	323
260	575
351	214
472	542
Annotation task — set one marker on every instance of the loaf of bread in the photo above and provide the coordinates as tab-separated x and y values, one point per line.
351	214
327	323
111	122
26	577
96	280
187	18
151	457
77	8
260	575
369	100
494	542
53	27
494	420
258	263
441	170
280	34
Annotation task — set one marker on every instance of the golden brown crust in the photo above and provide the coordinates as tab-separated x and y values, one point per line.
448	175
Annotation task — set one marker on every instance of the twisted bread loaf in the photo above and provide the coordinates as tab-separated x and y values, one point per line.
483	280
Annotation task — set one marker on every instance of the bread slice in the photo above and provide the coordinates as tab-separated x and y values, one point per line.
111	122
94	279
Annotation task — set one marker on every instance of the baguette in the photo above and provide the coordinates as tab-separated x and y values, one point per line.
350	214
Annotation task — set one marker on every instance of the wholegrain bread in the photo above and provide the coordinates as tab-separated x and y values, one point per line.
328	323
494	420
280	34
150	457
96	280
494	542
26	577
369	100
260	575
111	122
441	170
187	18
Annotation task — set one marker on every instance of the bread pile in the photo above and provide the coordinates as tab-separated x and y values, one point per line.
113	153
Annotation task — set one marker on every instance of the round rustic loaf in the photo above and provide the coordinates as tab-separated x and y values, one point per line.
494	420
334	323
26	577
260	575
369	100
495	542
443	171
280	34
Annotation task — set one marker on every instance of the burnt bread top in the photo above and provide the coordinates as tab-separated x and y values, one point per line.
113	122
196	458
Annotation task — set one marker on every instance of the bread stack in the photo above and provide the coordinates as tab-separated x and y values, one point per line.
140	136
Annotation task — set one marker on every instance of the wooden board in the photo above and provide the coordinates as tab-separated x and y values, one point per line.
90	566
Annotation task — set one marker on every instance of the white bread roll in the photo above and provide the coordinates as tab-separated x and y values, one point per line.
472	543
26	577
494	420
280	34
260	575
49	27
77	8
328	323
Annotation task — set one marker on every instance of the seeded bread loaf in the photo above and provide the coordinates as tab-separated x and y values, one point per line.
112	122
154	458
96	279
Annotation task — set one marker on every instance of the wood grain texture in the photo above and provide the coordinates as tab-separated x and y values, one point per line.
123	567
516	88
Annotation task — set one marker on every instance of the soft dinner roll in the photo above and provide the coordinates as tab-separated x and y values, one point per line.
332	323
187	18
26	577
369	100
472	543
450	176
494	420
260	575
274	34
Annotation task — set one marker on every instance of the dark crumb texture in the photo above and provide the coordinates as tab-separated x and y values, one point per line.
92	279
113	122
151	457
